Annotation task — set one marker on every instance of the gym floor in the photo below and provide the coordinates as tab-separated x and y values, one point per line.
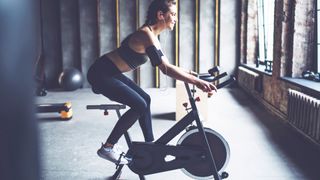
262	147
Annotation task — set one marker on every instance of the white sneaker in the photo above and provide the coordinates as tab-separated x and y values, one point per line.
112	154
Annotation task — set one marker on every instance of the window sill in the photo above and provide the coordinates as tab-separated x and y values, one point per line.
259	69
310	86
304	83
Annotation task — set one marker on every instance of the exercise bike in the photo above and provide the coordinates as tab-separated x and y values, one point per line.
200	152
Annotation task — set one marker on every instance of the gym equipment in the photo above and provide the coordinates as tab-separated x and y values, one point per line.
64	109
201	105
41	92
200	152
213	70
70	79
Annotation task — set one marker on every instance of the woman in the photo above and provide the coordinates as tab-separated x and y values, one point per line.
106	77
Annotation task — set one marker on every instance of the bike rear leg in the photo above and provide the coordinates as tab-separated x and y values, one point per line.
141	177
117	174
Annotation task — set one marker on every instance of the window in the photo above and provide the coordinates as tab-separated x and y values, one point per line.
265	33
318	35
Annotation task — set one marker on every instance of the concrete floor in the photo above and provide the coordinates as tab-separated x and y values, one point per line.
262	148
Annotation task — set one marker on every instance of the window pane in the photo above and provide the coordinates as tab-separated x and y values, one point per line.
265	25
318	24
261	31
269	9
318	36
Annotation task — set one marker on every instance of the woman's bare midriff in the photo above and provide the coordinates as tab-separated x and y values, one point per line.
118	61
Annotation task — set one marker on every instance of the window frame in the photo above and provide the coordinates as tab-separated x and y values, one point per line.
265	43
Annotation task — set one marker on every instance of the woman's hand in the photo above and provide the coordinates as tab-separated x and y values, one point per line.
205	86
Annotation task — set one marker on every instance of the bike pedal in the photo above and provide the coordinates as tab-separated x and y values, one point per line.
129	159
119	160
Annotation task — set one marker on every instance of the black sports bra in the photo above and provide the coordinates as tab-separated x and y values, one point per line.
132	58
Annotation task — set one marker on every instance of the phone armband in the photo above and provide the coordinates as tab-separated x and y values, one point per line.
155	55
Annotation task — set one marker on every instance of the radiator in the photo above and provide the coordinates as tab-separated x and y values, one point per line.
249	80
304	113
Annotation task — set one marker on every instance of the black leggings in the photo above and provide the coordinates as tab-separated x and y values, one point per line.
106	79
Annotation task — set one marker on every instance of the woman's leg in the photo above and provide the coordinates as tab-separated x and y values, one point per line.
145	119
115	89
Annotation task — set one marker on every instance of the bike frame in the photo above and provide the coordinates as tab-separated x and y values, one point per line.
193	115
176	129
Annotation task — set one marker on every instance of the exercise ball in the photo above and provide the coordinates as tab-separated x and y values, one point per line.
70	79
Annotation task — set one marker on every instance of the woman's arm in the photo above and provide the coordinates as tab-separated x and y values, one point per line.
153	49
180	74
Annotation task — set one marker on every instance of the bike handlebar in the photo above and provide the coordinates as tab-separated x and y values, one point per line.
226	82
209	77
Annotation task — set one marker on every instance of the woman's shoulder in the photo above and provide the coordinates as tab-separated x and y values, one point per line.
143	35
143	32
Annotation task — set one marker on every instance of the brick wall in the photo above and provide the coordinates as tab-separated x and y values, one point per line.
293	47
287	38
243	31
252	32
303	50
